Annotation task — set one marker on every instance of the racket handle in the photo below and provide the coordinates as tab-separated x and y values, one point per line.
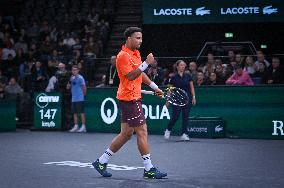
147	92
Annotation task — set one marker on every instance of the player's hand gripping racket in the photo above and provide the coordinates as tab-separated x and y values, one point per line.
173	95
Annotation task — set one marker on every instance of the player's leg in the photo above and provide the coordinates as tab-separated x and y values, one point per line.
143	146
175	114
125	134
184	130
101	164
142	139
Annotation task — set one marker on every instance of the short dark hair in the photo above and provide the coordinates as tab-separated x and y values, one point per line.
130	30
75	66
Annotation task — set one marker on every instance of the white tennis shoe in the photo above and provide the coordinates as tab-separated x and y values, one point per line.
74	129
167	134
184	137
82	130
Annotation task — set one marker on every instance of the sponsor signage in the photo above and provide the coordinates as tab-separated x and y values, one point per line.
208	11
278	128
220	112
205	127
47	111
110	113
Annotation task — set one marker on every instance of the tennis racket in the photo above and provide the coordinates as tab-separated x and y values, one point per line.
173	95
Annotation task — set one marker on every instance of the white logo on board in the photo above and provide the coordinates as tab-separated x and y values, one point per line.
218	128
201	11
269	10
110	116
42	100
277	127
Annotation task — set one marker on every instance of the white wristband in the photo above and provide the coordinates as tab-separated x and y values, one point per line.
143	66
153	86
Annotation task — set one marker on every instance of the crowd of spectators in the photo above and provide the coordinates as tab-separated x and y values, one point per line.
234	69
47	33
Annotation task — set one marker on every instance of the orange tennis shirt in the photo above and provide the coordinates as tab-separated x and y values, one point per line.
127	61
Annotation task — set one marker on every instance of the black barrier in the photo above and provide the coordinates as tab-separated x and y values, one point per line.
206	127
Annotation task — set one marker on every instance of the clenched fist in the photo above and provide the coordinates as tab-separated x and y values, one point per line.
150	59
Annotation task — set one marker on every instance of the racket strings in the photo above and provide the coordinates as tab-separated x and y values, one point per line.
177	97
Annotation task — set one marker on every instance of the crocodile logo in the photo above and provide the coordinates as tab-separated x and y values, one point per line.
201	11
269	10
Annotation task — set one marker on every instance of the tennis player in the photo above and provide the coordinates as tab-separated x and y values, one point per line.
130	71
183	81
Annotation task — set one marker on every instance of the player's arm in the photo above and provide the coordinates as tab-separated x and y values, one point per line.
151	84
192	90
135	73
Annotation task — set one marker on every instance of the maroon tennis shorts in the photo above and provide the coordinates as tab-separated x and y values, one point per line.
132	112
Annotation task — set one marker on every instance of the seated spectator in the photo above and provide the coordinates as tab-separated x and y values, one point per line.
91	49
20	57
220	74
261	58
112	76
39	77
155	73
212	79
103	82
61	48
46	47
78	45
168	74
62	78
276	73
13	88
53	60
33	30
59	80
69	40
21	44
10	66
239	59
193	71
8	51
51	84
250	66
33	52
239	77
3	83
25	72
262	73
200	79
231	57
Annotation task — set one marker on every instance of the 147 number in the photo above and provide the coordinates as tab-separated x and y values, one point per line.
50	113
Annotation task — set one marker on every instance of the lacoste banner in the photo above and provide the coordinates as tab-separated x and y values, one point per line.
212	11
47	110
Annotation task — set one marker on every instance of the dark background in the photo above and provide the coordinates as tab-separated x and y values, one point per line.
188	39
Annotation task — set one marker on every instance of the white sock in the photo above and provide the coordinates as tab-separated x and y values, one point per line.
105	157
83	125
147	162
